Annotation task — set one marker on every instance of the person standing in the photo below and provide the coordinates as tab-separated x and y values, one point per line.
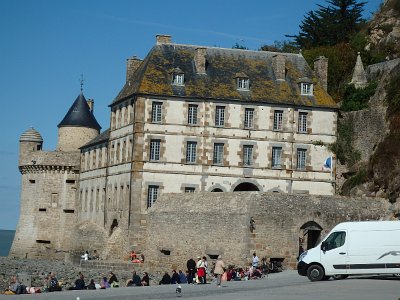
191	267
205	263
255	261
219	270
201	271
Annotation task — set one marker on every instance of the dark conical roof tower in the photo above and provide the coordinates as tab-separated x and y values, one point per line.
78	127
80	115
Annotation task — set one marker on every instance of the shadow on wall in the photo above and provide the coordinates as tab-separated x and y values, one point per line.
89	236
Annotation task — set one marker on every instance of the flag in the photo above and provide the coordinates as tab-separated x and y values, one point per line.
328	163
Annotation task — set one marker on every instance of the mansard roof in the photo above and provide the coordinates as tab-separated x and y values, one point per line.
154	77
79	115
101	138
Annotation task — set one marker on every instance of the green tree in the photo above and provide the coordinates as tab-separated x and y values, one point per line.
330	25
281	46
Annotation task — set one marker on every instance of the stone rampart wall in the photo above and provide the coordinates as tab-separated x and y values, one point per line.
183	226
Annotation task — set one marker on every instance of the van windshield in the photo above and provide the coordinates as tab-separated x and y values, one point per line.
335	240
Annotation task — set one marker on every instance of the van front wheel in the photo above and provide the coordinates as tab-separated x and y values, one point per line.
315	273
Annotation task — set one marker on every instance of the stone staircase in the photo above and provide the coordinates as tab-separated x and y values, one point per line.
108	265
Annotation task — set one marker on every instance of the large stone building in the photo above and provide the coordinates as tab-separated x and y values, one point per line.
188	119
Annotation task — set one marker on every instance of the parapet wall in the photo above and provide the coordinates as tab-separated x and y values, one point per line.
182	226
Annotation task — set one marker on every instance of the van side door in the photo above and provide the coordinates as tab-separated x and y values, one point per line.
334	255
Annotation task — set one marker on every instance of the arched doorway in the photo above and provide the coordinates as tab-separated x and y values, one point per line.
310	234
246	187
216	190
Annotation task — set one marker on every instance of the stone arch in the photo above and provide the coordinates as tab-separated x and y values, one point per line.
246	185
217	188
310	235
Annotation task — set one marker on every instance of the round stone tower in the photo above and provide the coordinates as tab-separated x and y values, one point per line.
78	127
29	141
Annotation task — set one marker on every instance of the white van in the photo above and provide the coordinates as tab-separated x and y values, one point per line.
354	248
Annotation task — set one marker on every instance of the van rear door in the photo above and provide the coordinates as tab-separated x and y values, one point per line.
334	256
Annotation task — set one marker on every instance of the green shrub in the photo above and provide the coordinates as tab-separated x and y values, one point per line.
343	147
357	99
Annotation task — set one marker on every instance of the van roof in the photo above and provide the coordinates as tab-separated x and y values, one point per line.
368	225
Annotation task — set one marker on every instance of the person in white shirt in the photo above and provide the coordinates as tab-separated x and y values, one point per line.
85	256
255	261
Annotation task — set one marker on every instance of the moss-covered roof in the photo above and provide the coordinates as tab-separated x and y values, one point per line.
154	76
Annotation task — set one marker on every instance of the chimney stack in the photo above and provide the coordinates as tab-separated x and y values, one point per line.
279	66
321	71
132	64
200	60
163	39
90	102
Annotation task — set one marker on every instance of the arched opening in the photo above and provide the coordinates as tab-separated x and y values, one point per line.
310	234
247	187
216	190
113	226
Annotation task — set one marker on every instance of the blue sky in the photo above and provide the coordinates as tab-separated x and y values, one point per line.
47	44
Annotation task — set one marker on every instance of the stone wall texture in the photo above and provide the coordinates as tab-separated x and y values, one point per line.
182	226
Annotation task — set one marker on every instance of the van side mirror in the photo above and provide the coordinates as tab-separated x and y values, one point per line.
324	246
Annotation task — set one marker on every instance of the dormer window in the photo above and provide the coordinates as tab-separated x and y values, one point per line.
243	84
242	81
306	89
178	78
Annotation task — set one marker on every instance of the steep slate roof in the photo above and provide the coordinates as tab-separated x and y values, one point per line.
79	115
154	76
101	138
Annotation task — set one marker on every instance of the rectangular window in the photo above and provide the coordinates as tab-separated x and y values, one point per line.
302	125
152	195
276	157
278	118
156	110
155	149
218	154
192	114
191	152
247	155
243	84
306	89
54	200
301	159
189	189
220	116
178	79
70	181
248	118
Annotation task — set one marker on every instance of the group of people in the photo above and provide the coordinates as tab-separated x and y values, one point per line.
134	257
137	281
197	272
86	256
176	278
16	287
